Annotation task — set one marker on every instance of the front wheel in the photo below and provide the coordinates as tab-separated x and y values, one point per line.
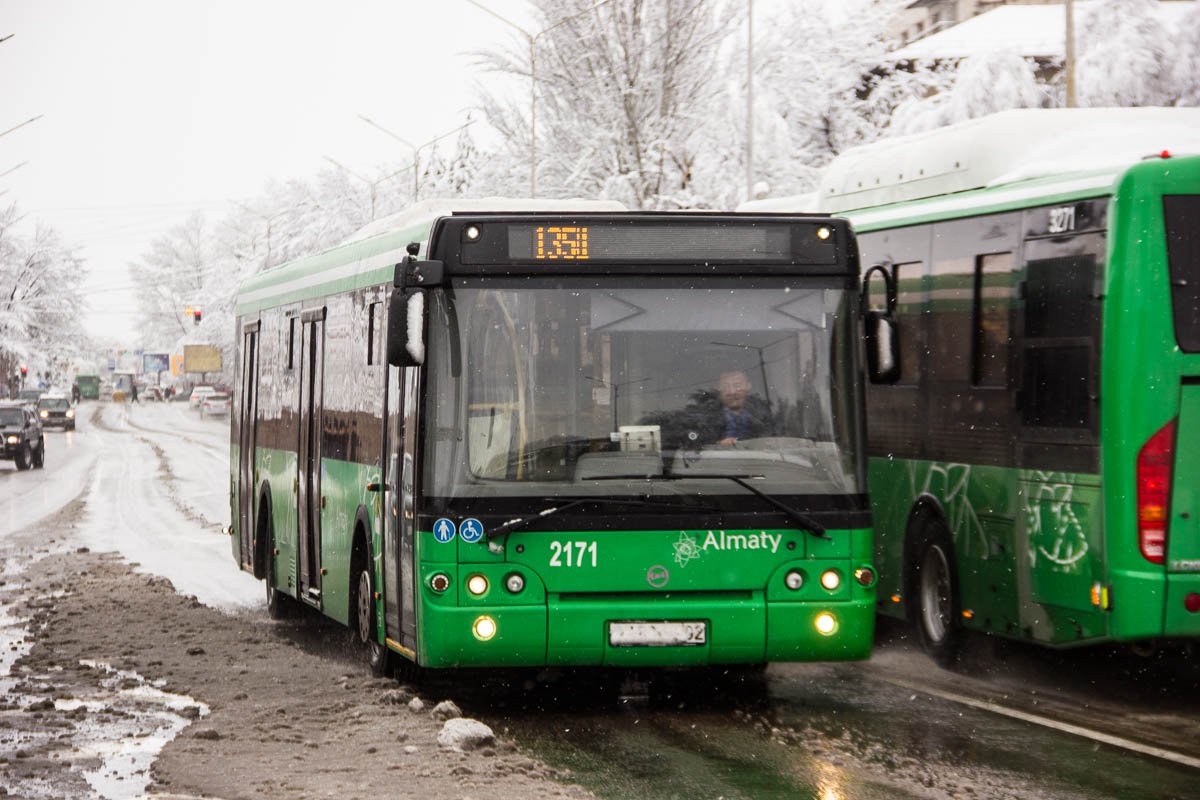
24	457
375	653
935	611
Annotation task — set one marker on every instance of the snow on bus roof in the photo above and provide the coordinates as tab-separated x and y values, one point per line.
792	204
442	207
1003	148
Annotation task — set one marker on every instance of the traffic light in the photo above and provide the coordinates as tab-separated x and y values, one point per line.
24	370
196	315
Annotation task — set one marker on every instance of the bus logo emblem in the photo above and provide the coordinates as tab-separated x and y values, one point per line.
471	530
657	576
443	530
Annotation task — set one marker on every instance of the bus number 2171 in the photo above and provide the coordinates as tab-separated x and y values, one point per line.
572	554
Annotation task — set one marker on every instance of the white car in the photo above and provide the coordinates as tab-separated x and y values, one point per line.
198	394
216	403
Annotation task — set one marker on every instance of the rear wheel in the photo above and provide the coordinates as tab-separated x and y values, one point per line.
279	604
935	596
24	457
363	606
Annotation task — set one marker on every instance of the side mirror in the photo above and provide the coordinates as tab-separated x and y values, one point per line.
406	328
881	331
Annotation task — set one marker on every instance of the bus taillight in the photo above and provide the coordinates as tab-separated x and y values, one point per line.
1153	492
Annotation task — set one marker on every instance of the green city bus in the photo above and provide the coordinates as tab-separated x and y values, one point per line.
505	453
89	386
1033	472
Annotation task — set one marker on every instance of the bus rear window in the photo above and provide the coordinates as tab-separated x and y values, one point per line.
1181	213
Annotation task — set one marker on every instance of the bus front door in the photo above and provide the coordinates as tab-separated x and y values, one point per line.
308	452
398	549
247	416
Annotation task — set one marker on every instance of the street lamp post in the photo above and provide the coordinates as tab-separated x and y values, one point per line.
416	149
22	125
532	39
268	219
372	184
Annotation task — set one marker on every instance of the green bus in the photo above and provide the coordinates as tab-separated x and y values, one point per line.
514	452
1033	470
89	386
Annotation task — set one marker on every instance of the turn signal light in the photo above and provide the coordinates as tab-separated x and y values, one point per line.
794	579
514	583
865	576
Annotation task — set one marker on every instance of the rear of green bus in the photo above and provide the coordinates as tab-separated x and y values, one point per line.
1150	397
641	444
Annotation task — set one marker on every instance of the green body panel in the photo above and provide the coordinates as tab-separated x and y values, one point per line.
89	386
733	580
1030	545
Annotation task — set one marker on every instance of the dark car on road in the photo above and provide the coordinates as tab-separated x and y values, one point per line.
55	411
21	435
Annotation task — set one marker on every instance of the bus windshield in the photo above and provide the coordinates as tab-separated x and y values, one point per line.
587	386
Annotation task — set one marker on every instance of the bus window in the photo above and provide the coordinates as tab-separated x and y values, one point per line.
990	331
1182	215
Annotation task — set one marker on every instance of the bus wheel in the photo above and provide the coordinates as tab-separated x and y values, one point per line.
279	604
935	610
375	653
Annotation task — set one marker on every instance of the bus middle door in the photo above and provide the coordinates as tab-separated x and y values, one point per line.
308	452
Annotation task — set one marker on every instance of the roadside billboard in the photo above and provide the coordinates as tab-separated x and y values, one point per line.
156	362
201	358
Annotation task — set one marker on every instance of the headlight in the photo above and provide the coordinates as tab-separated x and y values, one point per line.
484	628
14	439
70	413
830	579
826	624
44	414
477	585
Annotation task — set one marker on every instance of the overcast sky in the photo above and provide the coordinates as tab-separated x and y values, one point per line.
153	108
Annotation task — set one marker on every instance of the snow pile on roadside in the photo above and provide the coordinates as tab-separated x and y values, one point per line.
461	734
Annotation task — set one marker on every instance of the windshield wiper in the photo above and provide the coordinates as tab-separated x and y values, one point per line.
807	523
500	531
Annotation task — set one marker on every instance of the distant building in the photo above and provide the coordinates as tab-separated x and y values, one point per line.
1030	29
923	18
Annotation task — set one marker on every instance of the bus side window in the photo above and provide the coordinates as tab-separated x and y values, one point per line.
374	334
991	333
291	343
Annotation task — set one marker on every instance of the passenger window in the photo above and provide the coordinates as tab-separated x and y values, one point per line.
991	334
374	337
291	343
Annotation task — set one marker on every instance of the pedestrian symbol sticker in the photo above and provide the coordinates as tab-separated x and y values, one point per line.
471	530
443	530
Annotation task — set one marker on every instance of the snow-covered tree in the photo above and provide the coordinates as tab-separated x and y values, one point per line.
41	301
1187	58
622	92
1126	56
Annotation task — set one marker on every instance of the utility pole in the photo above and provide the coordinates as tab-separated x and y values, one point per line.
1069	60
416	150
370	183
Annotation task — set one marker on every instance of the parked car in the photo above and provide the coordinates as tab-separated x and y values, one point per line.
198	394
216	403
21	435
55	411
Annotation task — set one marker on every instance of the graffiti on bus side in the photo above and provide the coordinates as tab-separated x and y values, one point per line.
949	482
1055	533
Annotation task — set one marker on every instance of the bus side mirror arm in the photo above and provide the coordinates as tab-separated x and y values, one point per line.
406	310
880	330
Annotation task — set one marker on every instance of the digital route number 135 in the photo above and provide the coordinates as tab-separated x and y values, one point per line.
561	243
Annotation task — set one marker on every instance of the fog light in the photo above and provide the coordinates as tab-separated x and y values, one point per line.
865	576
514	583
830	579
794	579
477	585
1192	602
484	628
440	582
826	624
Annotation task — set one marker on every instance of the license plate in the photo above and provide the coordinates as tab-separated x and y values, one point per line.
657	634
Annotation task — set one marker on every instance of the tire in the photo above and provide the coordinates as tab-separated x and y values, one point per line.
363	623
24	457
935	610
280	605
39	455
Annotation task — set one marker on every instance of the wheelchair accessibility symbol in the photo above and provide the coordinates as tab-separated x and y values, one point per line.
471	530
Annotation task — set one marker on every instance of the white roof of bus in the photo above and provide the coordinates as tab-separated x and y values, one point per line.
793	204
998	149
441	207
